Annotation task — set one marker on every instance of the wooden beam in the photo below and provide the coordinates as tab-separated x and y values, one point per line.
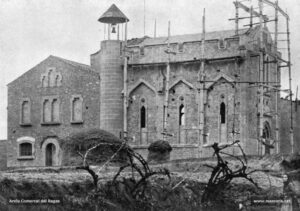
247	9
274	5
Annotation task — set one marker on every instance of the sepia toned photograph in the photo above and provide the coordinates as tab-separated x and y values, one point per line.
148	105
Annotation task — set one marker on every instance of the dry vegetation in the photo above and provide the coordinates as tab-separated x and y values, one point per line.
127	182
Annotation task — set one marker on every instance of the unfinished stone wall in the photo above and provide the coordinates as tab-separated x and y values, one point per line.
285	124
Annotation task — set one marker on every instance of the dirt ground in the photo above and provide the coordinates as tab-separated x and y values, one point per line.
269	176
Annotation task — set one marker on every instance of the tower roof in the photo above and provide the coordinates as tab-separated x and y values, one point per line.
113	15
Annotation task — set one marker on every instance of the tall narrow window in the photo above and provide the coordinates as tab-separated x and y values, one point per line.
25	112
50	78
55	111
223	113
143	117
44	81
181	115
267	70
76	109
57	82
46	111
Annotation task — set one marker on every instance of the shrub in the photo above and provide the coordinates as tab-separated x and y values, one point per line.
159	151
76	145
160	146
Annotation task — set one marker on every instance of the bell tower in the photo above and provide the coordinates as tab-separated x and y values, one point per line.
108	61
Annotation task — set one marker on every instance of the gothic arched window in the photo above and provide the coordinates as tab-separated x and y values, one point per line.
143	117
223	113
181	115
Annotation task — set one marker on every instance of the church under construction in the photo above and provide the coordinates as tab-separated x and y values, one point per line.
191	90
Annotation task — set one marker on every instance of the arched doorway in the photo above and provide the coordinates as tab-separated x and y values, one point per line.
267	136
50	153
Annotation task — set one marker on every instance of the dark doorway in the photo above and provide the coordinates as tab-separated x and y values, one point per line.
50	151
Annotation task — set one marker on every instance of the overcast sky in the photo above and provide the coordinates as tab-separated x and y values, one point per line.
31	30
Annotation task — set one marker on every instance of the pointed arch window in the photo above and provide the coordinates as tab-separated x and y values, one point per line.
223	113
143	113
181	115
143	117
143	121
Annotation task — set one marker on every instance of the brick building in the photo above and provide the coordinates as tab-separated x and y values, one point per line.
59	96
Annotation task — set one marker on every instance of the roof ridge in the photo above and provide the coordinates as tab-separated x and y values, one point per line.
212	35
72	62
227	30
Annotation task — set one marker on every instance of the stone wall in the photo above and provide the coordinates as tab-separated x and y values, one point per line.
285	124
76	81
240	99
108	63
3	160
178	151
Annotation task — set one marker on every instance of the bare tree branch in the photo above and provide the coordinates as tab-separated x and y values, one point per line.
112	157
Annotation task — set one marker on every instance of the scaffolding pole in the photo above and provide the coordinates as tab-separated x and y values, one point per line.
201	78
261	72
125	81
236	18
277	79
290	84
166	103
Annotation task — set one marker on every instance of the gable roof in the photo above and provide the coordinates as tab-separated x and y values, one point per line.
181	80
215	35
75	64
218	78
140	82
78	66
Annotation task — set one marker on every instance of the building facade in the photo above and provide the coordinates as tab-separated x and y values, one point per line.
55	98
58	96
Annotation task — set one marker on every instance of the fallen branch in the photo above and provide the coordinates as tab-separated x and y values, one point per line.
222	174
